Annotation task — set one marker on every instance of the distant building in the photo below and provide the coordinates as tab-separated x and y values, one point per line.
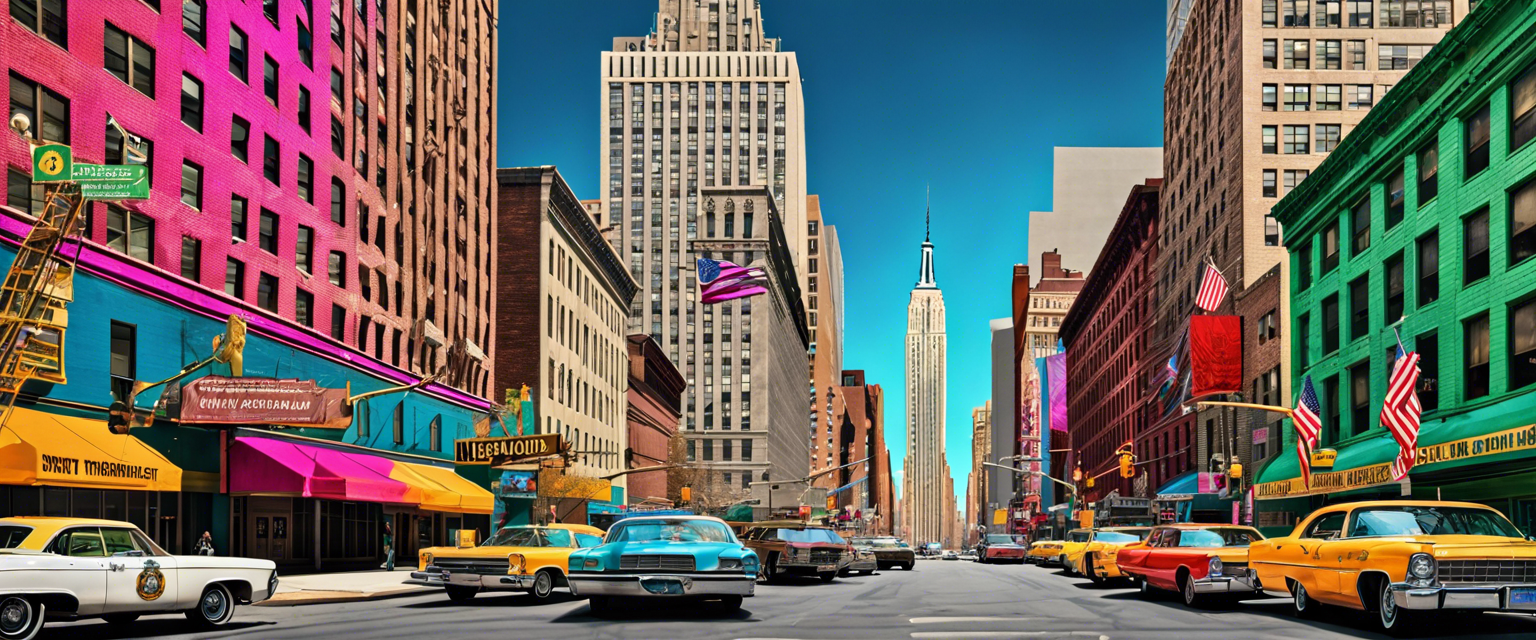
860	489
928	499
1086	188
977	505
824	314
1002	420
655	402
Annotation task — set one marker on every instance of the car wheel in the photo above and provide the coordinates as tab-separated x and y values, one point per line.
843	573
730	604
543	585
827	576
214	608
1088	571
1187	589
907	566
459	594
120	618
1144	587
20	618
1394	620
1305	606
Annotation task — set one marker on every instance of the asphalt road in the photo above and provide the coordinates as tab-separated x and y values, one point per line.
938	599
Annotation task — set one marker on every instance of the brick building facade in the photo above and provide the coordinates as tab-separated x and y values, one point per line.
655	407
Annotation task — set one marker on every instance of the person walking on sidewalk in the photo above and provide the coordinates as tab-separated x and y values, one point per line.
389	549
204	545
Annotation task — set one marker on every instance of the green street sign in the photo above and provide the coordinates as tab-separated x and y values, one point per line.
52	163
112	181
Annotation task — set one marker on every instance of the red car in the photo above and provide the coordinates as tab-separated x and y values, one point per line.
1194	560
1000	547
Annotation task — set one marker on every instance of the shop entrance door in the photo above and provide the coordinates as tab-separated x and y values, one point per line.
270	535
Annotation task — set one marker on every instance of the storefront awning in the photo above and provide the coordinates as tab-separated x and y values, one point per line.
39	448
1186	489
269	466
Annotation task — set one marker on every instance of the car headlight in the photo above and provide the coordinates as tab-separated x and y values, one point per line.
514	563
1215	567
426	560
590	563
730	564
1421	568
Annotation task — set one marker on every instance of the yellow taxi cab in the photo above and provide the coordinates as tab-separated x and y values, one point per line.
1044	552
1398	559
1095	559
525	558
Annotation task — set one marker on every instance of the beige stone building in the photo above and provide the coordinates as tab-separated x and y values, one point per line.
1088	187
929	492
977	488
1049	301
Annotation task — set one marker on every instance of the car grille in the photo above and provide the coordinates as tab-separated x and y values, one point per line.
1234	568
477	566
669	562
825	556
1488	571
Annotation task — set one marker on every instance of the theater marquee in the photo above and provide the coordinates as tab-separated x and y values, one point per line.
500	451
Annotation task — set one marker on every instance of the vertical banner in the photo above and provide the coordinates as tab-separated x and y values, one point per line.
1056	379
1216	354
1042	387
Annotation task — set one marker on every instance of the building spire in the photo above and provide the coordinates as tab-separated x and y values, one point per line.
927	211
925	279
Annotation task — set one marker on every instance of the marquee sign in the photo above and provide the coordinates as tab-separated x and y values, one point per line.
1517	439
501	451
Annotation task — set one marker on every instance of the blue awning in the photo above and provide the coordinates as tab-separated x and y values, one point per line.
847	486
1187	484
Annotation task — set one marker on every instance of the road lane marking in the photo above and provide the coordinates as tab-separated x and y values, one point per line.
942	619
1004	634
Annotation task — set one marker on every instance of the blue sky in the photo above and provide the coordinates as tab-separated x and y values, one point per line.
968	97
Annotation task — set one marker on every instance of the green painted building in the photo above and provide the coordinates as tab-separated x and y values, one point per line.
1422	224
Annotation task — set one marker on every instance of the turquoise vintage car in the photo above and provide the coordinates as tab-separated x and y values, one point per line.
688	557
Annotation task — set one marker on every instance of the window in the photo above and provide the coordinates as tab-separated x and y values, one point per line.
239	55
269	80
234	278
129	59
1399	57
1271	230
1522	223
338	88
1429	268
709	449
1271	54
194	14
303	307
1269	134
1332	426
191	102
1327	16
1361	97
1269	327
1271	98
266	292
1330	324
337	265
1304	340
727	451
306	44
1416	13
237	210
1304	266
1293	178
399	419
1271	13
1396	198
1358	13
1296	138
306	178
338	202
191	258
1475	158
1294	13
1331	247
1329	54
303	251
1475	348
1328	137
46	18
124	364
1429	172
131	232
192	184
1474	247
304	114
1428	347
140	150
1359	307
337	134
338	323
271	161
1298	97
1269	183
268	232
240	138
1522	108
1395	286
1330	97
1360	227
1354	55
22	193
48	111
1360	397
1297	54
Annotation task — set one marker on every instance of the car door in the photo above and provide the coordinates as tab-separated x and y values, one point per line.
1320	541
138	580
85	567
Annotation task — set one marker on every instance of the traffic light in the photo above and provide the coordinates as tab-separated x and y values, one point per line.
687	494
1090	483
1077	474
1127	467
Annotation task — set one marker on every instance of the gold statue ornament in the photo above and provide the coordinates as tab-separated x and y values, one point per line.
230	347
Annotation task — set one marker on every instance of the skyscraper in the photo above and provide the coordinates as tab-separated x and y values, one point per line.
703	101
925	473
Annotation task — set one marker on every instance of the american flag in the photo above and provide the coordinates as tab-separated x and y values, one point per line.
1400	412
1308	426
1213	288
720	280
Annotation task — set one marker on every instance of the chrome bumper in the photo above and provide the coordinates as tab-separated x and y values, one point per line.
1484	597
688	584
1246	583
438	577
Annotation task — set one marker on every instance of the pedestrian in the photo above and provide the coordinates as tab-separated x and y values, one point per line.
204	545
389	549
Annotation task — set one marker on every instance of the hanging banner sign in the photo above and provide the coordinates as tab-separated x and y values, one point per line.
51	162
501	451
1517	439
298	403
1216	354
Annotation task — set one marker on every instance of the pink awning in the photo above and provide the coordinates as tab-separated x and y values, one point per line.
270	466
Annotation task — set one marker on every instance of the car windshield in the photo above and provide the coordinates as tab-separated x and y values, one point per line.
999	538
1077	536
877	543
670	531
11	535
809	536
1415	521
1216	538
530	537
1116	537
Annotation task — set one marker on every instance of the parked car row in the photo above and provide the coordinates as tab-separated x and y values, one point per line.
1396	560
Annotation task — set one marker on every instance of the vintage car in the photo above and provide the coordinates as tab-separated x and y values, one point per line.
1076	542
999	547
791	547
1044	552
691	557
889	552
1195	560
1397	559
72	568
516	558
864	562
1082	556
1099	559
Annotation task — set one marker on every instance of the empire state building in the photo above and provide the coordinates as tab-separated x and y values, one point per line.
925	470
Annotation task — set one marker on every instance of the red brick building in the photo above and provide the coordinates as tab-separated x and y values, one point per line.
655	408
858	430
1105	336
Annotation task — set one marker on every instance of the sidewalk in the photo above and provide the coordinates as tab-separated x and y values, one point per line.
356	586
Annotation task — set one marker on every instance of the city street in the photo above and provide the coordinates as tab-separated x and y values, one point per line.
938	599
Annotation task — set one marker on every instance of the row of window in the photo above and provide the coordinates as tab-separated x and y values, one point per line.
1337	55
1334	14
1296	139
704	449
1329	97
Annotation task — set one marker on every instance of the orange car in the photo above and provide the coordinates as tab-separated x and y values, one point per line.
517	558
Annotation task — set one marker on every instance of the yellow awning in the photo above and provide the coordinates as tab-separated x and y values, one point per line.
39	448
442	489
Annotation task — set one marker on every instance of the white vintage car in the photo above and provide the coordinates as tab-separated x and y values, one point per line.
71	568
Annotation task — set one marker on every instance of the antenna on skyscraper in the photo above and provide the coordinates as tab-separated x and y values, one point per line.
927	209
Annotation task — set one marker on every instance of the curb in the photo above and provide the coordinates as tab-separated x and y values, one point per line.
301	598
